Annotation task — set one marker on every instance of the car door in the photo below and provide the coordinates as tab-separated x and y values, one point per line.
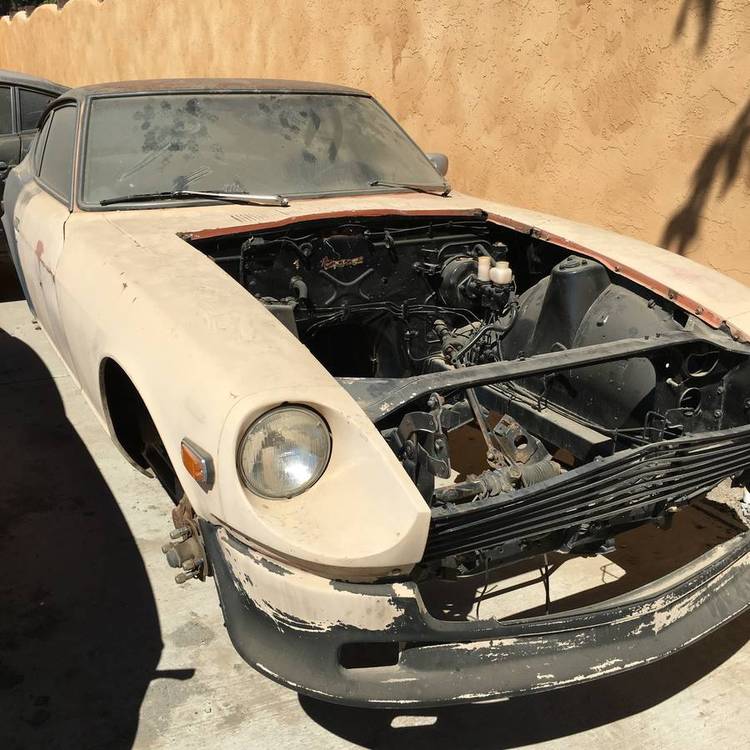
31	105
41	211
10	143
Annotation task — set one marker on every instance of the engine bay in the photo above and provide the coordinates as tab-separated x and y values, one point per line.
594	405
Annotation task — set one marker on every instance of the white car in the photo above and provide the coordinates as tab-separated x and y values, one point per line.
277	307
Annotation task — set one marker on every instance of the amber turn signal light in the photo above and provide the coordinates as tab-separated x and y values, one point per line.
198	463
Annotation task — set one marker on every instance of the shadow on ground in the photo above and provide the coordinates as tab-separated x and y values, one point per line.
536	718
79	633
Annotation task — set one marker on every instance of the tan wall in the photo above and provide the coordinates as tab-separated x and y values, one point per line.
631	114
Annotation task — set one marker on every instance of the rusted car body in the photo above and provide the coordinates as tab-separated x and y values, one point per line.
295	365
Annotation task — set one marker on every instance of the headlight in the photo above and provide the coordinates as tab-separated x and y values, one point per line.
284	452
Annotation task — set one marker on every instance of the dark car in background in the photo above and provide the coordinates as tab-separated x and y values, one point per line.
23	99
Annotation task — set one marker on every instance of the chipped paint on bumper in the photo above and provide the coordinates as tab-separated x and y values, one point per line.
290	625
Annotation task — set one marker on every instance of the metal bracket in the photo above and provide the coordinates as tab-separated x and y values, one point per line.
432	450
519	446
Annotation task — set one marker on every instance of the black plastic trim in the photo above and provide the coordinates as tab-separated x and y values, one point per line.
454	662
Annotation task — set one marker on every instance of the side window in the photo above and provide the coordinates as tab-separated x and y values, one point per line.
32	104
6	112
56	170
39	141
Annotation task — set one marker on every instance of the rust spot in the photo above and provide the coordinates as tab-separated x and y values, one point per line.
39	250
206	234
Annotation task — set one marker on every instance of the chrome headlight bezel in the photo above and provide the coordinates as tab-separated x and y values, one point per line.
260	423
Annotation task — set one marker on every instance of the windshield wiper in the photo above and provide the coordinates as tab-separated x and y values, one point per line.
254	200
429	189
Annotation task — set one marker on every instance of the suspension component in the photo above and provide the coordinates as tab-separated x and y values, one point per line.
185	549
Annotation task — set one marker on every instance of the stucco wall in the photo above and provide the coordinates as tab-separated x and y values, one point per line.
631	114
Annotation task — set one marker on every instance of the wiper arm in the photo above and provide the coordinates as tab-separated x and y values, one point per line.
429	189
254	200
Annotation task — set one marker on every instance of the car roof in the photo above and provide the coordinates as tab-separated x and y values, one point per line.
209	85
15	78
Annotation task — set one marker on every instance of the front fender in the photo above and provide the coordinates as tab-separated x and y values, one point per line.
207	358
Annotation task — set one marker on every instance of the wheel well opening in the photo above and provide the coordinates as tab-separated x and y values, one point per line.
134	428
123	404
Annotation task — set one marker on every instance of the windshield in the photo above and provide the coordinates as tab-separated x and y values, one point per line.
288	144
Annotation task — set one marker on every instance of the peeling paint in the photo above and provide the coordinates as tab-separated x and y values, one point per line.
302	601
606	665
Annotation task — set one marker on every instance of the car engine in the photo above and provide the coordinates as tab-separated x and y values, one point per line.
594	405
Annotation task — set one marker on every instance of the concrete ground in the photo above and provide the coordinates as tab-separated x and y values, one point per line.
99	648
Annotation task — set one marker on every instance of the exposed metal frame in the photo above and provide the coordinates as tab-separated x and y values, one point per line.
664	472
381	397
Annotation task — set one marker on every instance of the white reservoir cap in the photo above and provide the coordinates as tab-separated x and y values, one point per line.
484	262
501	274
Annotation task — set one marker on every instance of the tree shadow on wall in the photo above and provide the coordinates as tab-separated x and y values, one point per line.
721	163
79	632
705	10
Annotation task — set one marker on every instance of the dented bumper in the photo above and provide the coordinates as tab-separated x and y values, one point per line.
292	625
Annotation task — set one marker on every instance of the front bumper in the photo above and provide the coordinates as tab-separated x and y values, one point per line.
291	626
